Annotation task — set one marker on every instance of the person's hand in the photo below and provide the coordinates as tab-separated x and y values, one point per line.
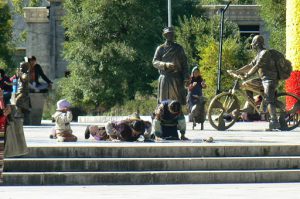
65	110
194	83
170	65
7	111
203	84
229	71
1	93
245	76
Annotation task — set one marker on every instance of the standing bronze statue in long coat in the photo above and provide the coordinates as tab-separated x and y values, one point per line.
171	61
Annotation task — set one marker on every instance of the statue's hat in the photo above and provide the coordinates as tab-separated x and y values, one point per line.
167	30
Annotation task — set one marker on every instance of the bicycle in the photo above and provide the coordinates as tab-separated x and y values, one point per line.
224	109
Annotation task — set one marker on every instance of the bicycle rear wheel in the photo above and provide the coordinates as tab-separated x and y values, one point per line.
288	117
223	111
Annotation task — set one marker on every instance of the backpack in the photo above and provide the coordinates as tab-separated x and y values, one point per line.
284	66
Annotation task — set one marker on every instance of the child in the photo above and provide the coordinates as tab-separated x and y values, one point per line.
63	117
196	84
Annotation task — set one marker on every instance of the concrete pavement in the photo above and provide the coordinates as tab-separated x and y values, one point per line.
211	191
242	133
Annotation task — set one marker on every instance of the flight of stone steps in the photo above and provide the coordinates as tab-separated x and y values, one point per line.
154	164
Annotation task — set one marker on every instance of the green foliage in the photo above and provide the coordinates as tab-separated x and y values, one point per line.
144	106
195	33
200	39
6	47
110	42
273	13
180	8
234	56
20	4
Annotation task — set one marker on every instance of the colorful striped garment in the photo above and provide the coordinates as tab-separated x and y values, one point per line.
2	139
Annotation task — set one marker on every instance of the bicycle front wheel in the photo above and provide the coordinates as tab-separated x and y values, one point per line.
223	111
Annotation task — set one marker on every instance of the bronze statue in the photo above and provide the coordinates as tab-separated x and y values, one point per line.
171	61
267	79
22	99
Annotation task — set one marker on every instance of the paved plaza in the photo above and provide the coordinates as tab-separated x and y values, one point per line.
211	191
242	133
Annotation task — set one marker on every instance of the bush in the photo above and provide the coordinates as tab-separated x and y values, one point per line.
144	107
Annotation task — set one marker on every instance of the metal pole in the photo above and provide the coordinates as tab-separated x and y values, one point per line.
223	10
169	14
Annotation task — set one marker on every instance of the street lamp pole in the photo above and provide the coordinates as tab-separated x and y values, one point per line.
169	14
222	10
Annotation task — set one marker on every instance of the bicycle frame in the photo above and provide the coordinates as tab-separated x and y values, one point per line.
236	87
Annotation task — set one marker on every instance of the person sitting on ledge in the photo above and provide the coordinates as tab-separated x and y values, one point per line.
168	119
35	72
62	117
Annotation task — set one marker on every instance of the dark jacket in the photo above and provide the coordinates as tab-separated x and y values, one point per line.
39	72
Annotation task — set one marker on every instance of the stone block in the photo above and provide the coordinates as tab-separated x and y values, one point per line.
37	103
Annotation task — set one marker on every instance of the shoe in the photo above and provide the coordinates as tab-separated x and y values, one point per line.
171	138
183	137
159	139
274	125
52	136
209	140
87	132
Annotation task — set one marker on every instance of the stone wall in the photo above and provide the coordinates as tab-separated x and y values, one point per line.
46	36
38	37
242	15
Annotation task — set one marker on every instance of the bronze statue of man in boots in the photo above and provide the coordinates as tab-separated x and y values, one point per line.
267	80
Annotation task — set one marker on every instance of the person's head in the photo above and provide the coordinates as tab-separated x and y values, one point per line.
174	107
24	67
96	132
32	60
257	42
168	33
125	132
63	105
196	72
138	126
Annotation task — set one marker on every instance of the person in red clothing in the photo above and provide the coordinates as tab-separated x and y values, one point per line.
4	112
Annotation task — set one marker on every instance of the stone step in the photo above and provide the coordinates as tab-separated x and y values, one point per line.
151	177
149	164
164	150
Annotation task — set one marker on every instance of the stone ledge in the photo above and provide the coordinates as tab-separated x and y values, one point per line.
103	119
236	12
36	15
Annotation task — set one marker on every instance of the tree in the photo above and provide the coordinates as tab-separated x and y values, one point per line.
234	57
109	50
6	47
200	39
273	13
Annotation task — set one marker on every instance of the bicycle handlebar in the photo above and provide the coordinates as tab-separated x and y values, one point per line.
231	73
